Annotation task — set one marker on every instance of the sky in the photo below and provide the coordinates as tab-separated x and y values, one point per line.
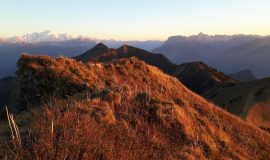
135	19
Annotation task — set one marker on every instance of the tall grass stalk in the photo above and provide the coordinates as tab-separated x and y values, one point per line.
15	133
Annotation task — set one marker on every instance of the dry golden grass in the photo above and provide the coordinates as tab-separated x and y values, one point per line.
126	110
259	115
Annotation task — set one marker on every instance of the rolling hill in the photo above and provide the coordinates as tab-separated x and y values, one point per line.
123	109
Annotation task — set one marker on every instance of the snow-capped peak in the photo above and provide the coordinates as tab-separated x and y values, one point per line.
39	37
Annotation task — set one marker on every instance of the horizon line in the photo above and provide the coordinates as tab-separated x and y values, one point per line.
78	36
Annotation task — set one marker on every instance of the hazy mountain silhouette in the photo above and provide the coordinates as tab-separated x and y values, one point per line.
253	55
243	75
47	37
228	54
199	47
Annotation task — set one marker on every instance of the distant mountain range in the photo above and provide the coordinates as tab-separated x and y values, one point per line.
229	54
253	55
65	40
47	43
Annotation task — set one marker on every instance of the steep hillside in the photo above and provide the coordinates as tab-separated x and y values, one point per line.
124	109
102	53
243	75
201	78
249	100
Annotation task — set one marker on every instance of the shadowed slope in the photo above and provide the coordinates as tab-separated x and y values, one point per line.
100	50
105	55
250	100
7	91
200	78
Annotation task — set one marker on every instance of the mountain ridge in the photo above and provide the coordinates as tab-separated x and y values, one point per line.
197	76
160	61
125	51
175	121
228	54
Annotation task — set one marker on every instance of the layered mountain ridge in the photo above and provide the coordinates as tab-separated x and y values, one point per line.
186	73
228	54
